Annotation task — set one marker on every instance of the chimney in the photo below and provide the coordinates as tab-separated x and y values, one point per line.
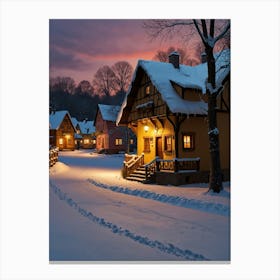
174	59
203	57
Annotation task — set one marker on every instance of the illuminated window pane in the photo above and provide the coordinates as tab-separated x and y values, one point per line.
60	141
86	141
168	143
188	141
118	141
148	89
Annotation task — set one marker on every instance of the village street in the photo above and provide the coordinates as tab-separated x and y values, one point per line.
96	215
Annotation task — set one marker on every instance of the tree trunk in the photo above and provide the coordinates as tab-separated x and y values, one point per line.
215	180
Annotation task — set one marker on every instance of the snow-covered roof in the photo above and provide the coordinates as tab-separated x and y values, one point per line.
87	127
78	136
74	121
174	53
162	74
56	118
109	112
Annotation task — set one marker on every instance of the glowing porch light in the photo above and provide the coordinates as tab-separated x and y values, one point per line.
146	128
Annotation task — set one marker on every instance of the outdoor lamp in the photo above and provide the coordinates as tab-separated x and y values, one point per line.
146	128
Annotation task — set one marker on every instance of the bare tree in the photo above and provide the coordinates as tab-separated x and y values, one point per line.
103	81
163	55
123	72
62	84
210	32
84	88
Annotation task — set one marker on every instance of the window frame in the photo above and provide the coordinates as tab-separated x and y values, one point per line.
166	149
192	141
148	90
118	142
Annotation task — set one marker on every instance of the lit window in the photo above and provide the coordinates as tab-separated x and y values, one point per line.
188	141
148	90
94	141
168	143
118	142
147	145
131	141
60	141
86	141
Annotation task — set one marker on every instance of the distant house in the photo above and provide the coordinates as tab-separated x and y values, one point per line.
87	131
78	137
166	106
62	130
109	137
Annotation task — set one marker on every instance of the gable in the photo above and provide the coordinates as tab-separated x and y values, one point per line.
139	104
165	78
66	124
56	118
143	105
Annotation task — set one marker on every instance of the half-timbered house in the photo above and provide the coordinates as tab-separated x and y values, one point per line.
62	130
166	106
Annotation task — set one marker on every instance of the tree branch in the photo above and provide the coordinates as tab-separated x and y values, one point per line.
212	27
204	28
199	32
222	34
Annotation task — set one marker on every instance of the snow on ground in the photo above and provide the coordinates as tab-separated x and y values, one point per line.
96	215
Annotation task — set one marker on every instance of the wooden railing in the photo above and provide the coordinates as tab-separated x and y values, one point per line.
53	156
150	168
132	163
178	164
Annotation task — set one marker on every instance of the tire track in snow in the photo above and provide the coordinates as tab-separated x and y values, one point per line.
166	248
209	207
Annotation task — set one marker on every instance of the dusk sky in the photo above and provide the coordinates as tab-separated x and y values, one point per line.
79	47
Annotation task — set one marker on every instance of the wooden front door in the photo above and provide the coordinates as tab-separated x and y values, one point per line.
159	152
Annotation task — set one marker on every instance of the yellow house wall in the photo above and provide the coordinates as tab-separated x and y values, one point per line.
196	125
148	156
153	133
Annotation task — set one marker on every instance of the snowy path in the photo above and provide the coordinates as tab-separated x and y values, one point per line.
169	231
167	248
215	208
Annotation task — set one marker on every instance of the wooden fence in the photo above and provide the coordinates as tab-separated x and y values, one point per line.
53	155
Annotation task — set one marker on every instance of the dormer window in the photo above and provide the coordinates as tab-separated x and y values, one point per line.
148	90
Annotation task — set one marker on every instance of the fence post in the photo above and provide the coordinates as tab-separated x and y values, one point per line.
198	164
175	165
157	164
124	170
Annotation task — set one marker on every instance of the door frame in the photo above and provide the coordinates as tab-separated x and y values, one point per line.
160	156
